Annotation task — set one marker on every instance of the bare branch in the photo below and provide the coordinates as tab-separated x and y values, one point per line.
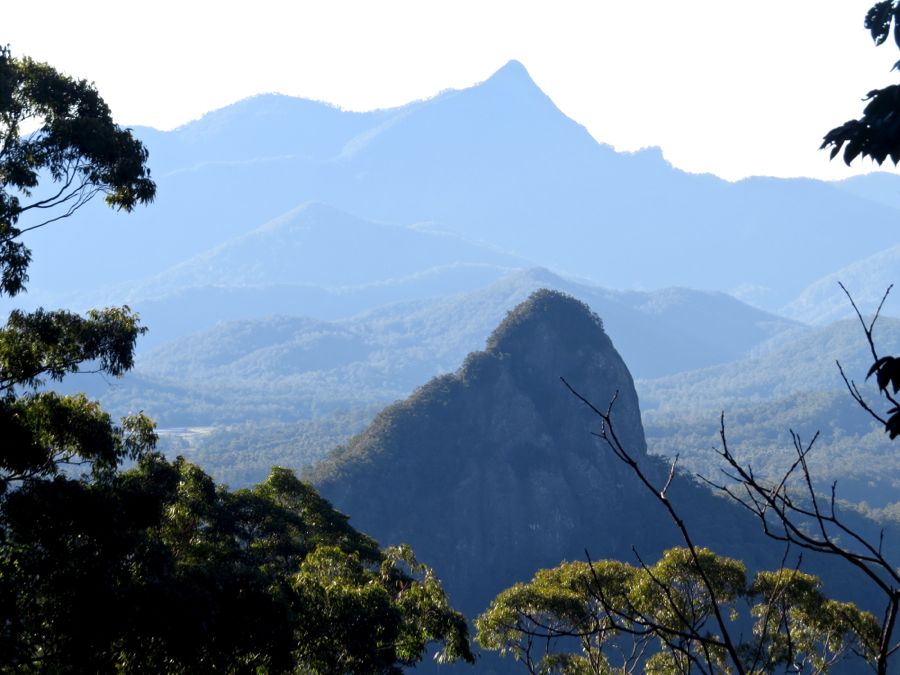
870	327
857	396
609	435
662	493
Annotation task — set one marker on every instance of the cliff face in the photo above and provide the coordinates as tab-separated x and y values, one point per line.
492	472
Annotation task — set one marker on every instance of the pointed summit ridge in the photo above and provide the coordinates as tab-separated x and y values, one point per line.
513	79
571	321
512	71
494	466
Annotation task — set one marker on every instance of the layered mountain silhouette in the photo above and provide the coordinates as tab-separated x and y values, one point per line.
798	360
316	245
866	280
879	186
496	163
293	367
661	332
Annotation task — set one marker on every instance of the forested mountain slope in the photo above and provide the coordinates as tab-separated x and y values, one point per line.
866	280
789	383
494	472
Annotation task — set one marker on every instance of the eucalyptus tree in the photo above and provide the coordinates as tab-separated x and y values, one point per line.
156	568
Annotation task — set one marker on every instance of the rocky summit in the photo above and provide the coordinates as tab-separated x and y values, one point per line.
492	472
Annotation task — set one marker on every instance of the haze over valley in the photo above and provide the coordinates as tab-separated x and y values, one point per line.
303	262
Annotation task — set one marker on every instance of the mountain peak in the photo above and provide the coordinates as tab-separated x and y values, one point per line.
554	316
512	69
511	77
494	466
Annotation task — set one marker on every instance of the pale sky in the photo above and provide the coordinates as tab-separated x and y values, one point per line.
725	87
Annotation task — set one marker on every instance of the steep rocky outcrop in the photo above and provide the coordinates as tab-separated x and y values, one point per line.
492	472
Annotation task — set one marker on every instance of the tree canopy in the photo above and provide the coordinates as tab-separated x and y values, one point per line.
157	569
608	616
59	147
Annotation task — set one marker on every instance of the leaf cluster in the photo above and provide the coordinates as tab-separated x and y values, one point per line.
75	152
877	133
43	430
879	19
45	344
608	616
887	374
804	628
157	569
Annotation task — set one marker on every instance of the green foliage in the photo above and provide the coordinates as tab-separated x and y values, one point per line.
556	605
877	133
363	619
797	626
676	593
43	430
156	569
76	147
41	344
579	618
74	153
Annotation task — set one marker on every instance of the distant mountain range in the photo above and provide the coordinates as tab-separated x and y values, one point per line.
866	280
798	360
318	246
313	261
303	261
497	164
291	367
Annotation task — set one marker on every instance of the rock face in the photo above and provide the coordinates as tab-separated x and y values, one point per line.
491	472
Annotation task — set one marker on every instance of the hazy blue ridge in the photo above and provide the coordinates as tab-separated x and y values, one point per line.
282	367
794	361
866	280
879	186
496	163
